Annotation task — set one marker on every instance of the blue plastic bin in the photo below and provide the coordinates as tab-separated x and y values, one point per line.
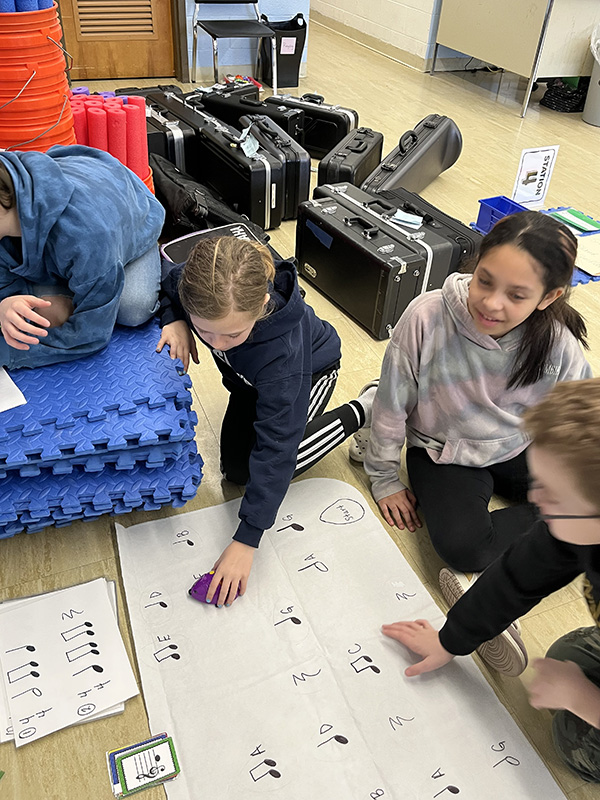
494	208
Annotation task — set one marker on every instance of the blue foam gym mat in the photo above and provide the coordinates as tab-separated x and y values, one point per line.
127	374
126	399
30	504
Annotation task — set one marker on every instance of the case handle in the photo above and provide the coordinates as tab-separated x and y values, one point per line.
246	101
369	231
313	98
359	147
407	141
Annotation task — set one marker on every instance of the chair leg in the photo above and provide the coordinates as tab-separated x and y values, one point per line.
194	53
215	60
274	64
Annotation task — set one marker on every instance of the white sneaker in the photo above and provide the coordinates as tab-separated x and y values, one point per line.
506	652
360	440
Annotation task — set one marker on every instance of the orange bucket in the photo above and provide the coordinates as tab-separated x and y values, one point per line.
149	181
28	34
25	108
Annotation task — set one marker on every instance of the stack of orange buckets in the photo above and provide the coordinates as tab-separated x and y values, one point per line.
35	112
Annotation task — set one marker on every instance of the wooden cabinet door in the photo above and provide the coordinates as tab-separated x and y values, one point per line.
118	38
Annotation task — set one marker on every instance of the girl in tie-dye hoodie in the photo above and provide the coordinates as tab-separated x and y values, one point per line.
462	365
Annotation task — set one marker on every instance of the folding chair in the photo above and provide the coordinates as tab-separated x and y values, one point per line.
232	29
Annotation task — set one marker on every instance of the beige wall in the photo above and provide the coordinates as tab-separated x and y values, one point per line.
401	27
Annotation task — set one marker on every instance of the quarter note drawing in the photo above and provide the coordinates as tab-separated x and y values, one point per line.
160	603
369	665
159	657
272	772
81	651
295	620
29	647
293	525
16	674
78	630
337	738
451	789
95	667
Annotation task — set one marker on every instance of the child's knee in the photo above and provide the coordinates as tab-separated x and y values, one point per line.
578	745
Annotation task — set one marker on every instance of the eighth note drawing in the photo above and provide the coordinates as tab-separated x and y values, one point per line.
272	772
95	667
295	620
293	525
82	650
77	631
29	647
160	658
337	738
370	665
12	679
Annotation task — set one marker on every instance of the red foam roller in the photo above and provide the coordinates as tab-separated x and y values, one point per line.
93	101
113	101
137	141
80	123
97	130
134	100
116	123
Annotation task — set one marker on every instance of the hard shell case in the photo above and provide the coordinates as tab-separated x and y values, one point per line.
229	109
421	155
250	184
324	125
352	159
349	248
295	161
465	240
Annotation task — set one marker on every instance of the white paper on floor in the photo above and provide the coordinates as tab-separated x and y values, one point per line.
63	659
10	394
294	692
6	729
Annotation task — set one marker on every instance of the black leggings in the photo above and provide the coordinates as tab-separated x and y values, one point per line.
454	501
322	434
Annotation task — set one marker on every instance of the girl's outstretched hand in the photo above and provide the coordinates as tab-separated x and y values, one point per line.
400	510
20	323
423	640
232	569
180	341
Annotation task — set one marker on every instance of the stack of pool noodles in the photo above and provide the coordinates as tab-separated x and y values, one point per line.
35	112
109	433
116	125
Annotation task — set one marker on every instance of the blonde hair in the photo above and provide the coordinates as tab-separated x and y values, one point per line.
225	274
567	423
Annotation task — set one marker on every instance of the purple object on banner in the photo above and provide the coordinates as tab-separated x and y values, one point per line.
200	588
26	5
7	7
81	90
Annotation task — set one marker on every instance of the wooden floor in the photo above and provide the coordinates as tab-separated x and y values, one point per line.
390	98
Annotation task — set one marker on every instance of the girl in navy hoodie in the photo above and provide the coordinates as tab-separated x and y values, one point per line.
278	361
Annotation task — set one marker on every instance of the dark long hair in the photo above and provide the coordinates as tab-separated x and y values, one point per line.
554	248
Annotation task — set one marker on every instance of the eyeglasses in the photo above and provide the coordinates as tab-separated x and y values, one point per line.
533	485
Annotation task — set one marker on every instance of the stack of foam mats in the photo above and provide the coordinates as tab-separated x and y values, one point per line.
108	433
